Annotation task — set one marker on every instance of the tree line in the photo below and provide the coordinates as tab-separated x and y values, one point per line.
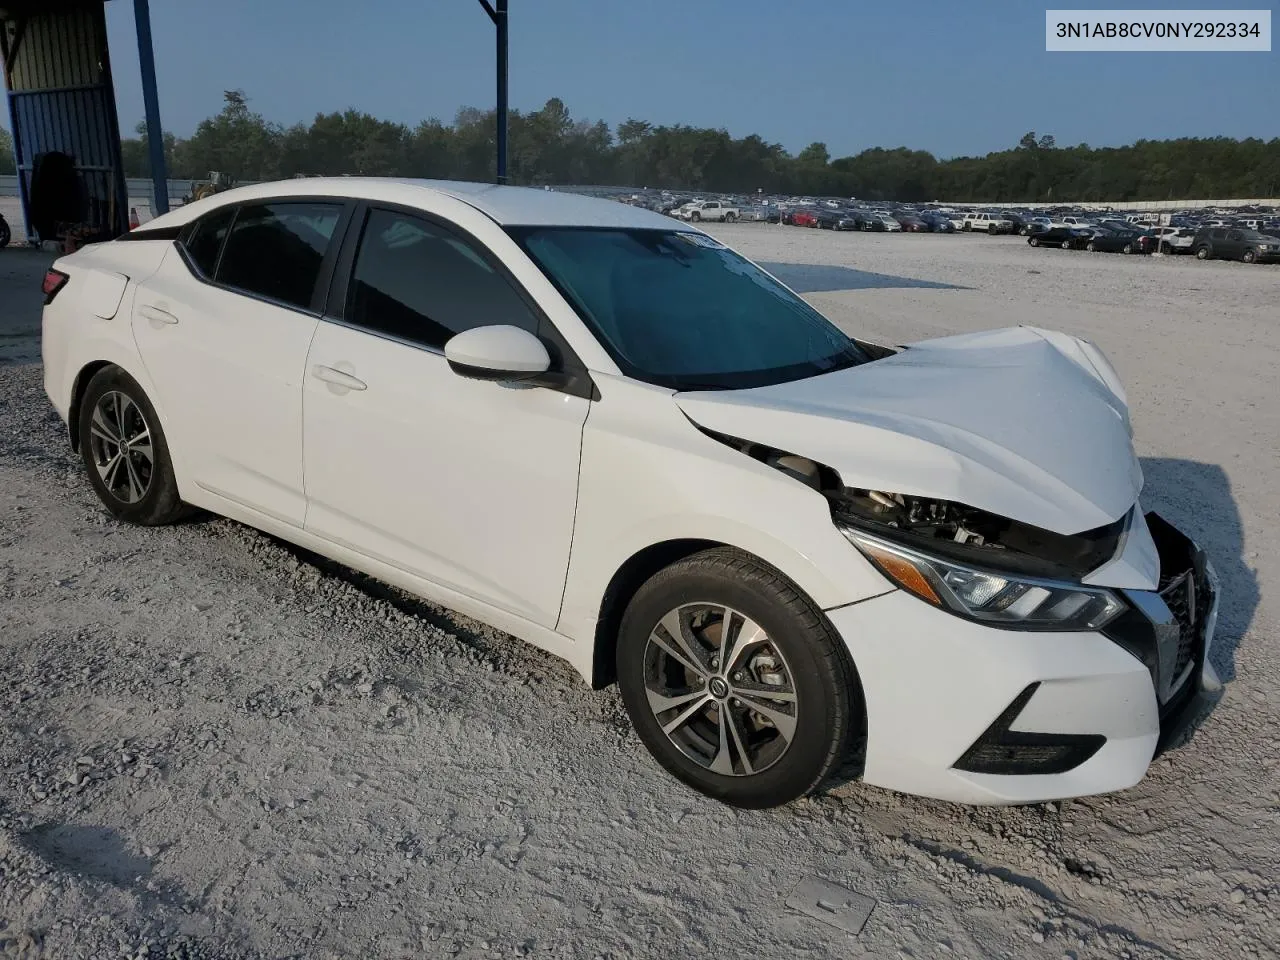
548	146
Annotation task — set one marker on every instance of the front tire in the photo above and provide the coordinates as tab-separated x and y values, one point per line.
5	235
1249	256
125	452
695	216
1091	248
1034	241
735	681
1202	253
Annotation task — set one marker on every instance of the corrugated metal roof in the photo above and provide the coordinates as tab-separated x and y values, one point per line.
57	50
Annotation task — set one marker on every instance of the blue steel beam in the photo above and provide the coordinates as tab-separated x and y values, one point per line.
151	100
10	53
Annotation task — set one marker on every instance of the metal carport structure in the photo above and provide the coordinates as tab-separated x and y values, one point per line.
61	100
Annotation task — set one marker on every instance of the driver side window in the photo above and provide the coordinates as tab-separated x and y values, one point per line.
417	281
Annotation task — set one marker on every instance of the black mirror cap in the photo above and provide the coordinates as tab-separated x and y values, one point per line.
490	373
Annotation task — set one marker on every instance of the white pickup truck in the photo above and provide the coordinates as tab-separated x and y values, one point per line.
986	222
709	210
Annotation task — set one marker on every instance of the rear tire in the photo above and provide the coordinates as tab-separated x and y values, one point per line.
765	728
991	229
125	452
1090	247
5	235
1066	244
730	217
1127	248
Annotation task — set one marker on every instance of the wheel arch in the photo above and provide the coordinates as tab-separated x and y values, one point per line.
639	568
78	386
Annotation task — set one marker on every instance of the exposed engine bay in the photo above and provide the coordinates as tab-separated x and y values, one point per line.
953	530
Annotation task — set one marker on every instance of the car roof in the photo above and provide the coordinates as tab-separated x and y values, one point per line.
509	206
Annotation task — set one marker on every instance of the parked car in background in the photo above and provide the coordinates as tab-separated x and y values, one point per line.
1058	235
715	210
1233	243
779	540
867	220
828	217
1108	239
912	223
1019	219
890	224
803	217
975	221
1173	239
938	222
846	220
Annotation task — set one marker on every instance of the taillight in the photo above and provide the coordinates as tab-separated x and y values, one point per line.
54	280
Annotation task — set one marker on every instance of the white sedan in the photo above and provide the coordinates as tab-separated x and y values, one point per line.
612	436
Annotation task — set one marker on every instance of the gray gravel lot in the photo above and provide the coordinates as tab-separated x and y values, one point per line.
214	746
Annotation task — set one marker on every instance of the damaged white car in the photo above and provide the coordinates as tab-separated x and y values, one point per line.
608	434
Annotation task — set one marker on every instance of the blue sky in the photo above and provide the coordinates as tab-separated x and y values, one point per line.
955	78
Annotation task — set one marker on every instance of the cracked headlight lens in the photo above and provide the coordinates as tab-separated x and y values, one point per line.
999	599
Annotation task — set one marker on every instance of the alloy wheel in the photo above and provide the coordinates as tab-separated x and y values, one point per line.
720	689
121	447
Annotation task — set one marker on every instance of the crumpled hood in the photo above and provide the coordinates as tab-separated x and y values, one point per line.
1023	423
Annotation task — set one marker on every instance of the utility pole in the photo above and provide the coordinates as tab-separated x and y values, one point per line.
499	18
151	101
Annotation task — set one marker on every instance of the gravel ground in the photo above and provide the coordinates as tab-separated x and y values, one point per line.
215	746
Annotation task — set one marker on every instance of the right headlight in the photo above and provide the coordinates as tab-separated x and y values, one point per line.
999	599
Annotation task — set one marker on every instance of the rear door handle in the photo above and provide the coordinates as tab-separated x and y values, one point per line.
157	314
339	380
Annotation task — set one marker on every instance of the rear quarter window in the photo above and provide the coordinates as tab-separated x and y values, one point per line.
204	242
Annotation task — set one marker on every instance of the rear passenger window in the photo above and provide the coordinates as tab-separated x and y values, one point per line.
275	249
420	282
205	241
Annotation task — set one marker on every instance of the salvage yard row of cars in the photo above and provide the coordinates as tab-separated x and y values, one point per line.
1250	236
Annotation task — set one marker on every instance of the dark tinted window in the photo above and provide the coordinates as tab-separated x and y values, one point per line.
1219	234
206	239
275	249
682	310
420	282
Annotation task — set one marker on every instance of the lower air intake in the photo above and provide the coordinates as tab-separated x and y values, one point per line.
1007	752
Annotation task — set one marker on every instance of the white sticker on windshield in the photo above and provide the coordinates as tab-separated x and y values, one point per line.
702	240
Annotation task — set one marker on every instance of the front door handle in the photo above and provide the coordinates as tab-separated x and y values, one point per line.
339	381
157	315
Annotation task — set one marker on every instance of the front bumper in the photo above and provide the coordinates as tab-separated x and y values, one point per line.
940	690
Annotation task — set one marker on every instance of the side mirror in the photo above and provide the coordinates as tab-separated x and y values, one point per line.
500	352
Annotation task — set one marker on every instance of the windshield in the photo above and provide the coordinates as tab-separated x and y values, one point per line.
683	311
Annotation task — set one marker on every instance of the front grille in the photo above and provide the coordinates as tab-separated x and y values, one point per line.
1180	595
